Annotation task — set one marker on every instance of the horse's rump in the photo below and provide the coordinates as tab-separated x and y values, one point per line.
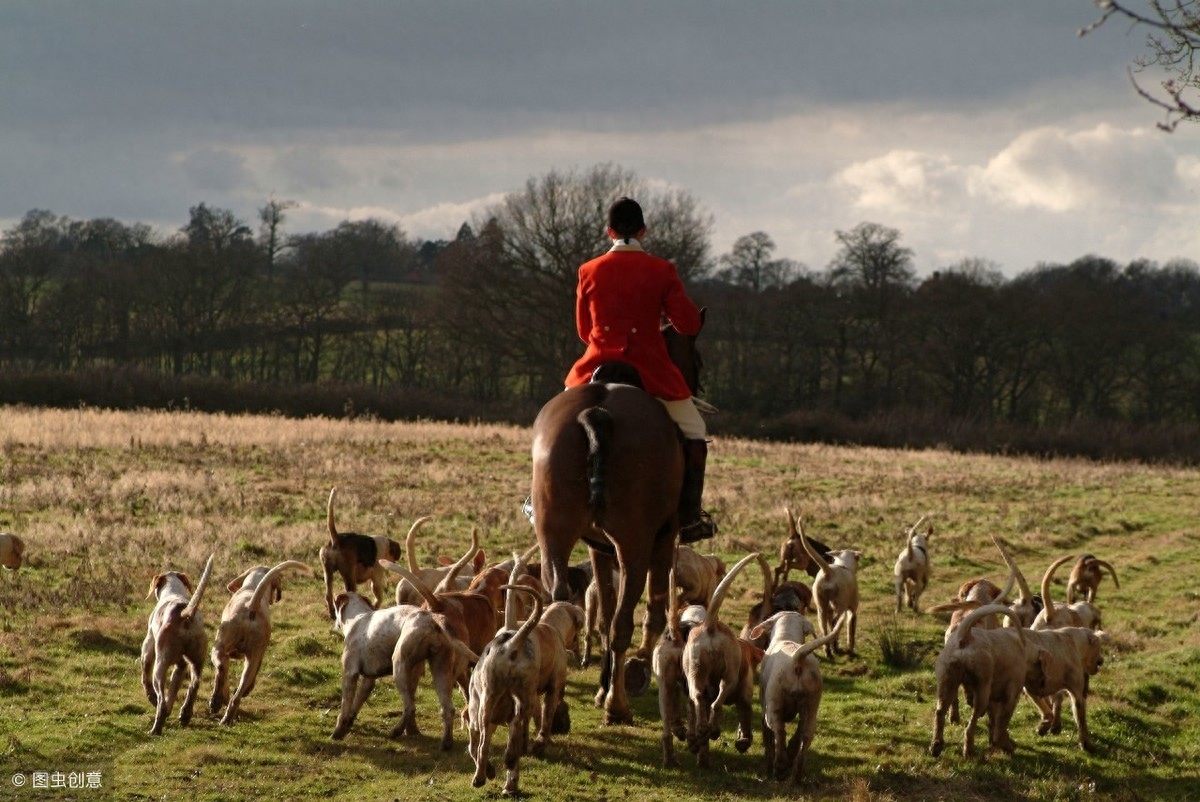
604	453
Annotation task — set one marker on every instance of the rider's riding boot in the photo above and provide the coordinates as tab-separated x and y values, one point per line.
696	524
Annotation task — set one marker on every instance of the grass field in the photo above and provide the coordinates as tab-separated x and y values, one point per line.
105	500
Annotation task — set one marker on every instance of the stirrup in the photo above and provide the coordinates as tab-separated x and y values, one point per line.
700	529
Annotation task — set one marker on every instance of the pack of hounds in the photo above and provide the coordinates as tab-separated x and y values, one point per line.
493	632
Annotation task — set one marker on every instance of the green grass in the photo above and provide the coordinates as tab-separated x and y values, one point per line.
104	501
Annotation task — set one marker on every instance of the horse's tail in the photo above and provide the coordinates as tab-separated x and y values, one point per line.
597	424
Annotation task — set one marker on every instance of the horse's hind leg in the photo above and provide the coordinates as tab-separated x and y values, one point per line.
633	580
603	566
556	551
656	604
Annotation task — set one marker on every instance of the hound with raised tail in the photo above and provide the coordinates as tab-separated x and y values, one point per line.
719	667
1057	661
792	553
503	690
912	569
1080	614
355	558
790	689
835	590
667	664
175	641
990	666
1085	578
427	637
245	631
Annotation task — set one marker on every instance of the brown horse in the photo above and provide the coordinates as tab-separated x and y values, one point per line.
608	470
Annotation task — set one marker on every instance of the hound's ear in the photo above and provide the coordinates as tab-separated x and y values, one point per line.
443	560
757	632
154	585
187	583
480	557
236	583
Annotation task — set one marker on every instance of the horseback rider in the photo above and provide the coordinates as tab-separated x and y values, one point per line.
619	303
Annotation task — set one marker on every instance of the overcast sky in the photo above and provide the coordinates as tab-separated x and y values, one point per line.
977	128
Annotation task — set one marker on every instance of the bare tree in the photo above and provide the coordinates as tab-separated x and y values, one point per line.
749	264
1173	41
871	274
270	228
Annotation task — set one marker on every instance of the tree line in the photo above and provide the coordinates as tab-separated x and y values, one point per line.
485	321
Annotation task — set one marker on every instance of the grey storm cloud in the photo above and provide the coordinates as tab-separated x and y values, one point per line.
958	121
445	69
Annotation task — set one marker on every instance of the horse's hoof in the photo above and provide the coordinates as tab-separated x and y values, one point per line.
637	676
612	718
562	720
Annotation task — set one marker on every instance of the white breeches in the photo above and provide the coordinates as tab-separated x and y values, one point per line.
688	418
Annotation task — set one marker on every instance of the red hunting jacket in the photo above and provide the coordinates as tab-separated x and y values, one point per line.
619	304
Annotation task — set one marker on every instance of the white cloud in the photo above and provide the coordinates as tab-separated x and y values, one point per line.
904	180
442	220
1070	171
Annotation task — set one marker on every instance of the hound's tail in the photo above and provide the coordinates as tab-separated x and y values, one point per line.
523	633
451	575
269	579
329	517
1026	594
520	561
718	597
817	643
963	633
813	554
410	543
194	603
1046	579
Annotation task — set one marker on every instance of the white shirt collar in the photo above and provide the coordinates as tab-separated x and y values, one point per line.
630	244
